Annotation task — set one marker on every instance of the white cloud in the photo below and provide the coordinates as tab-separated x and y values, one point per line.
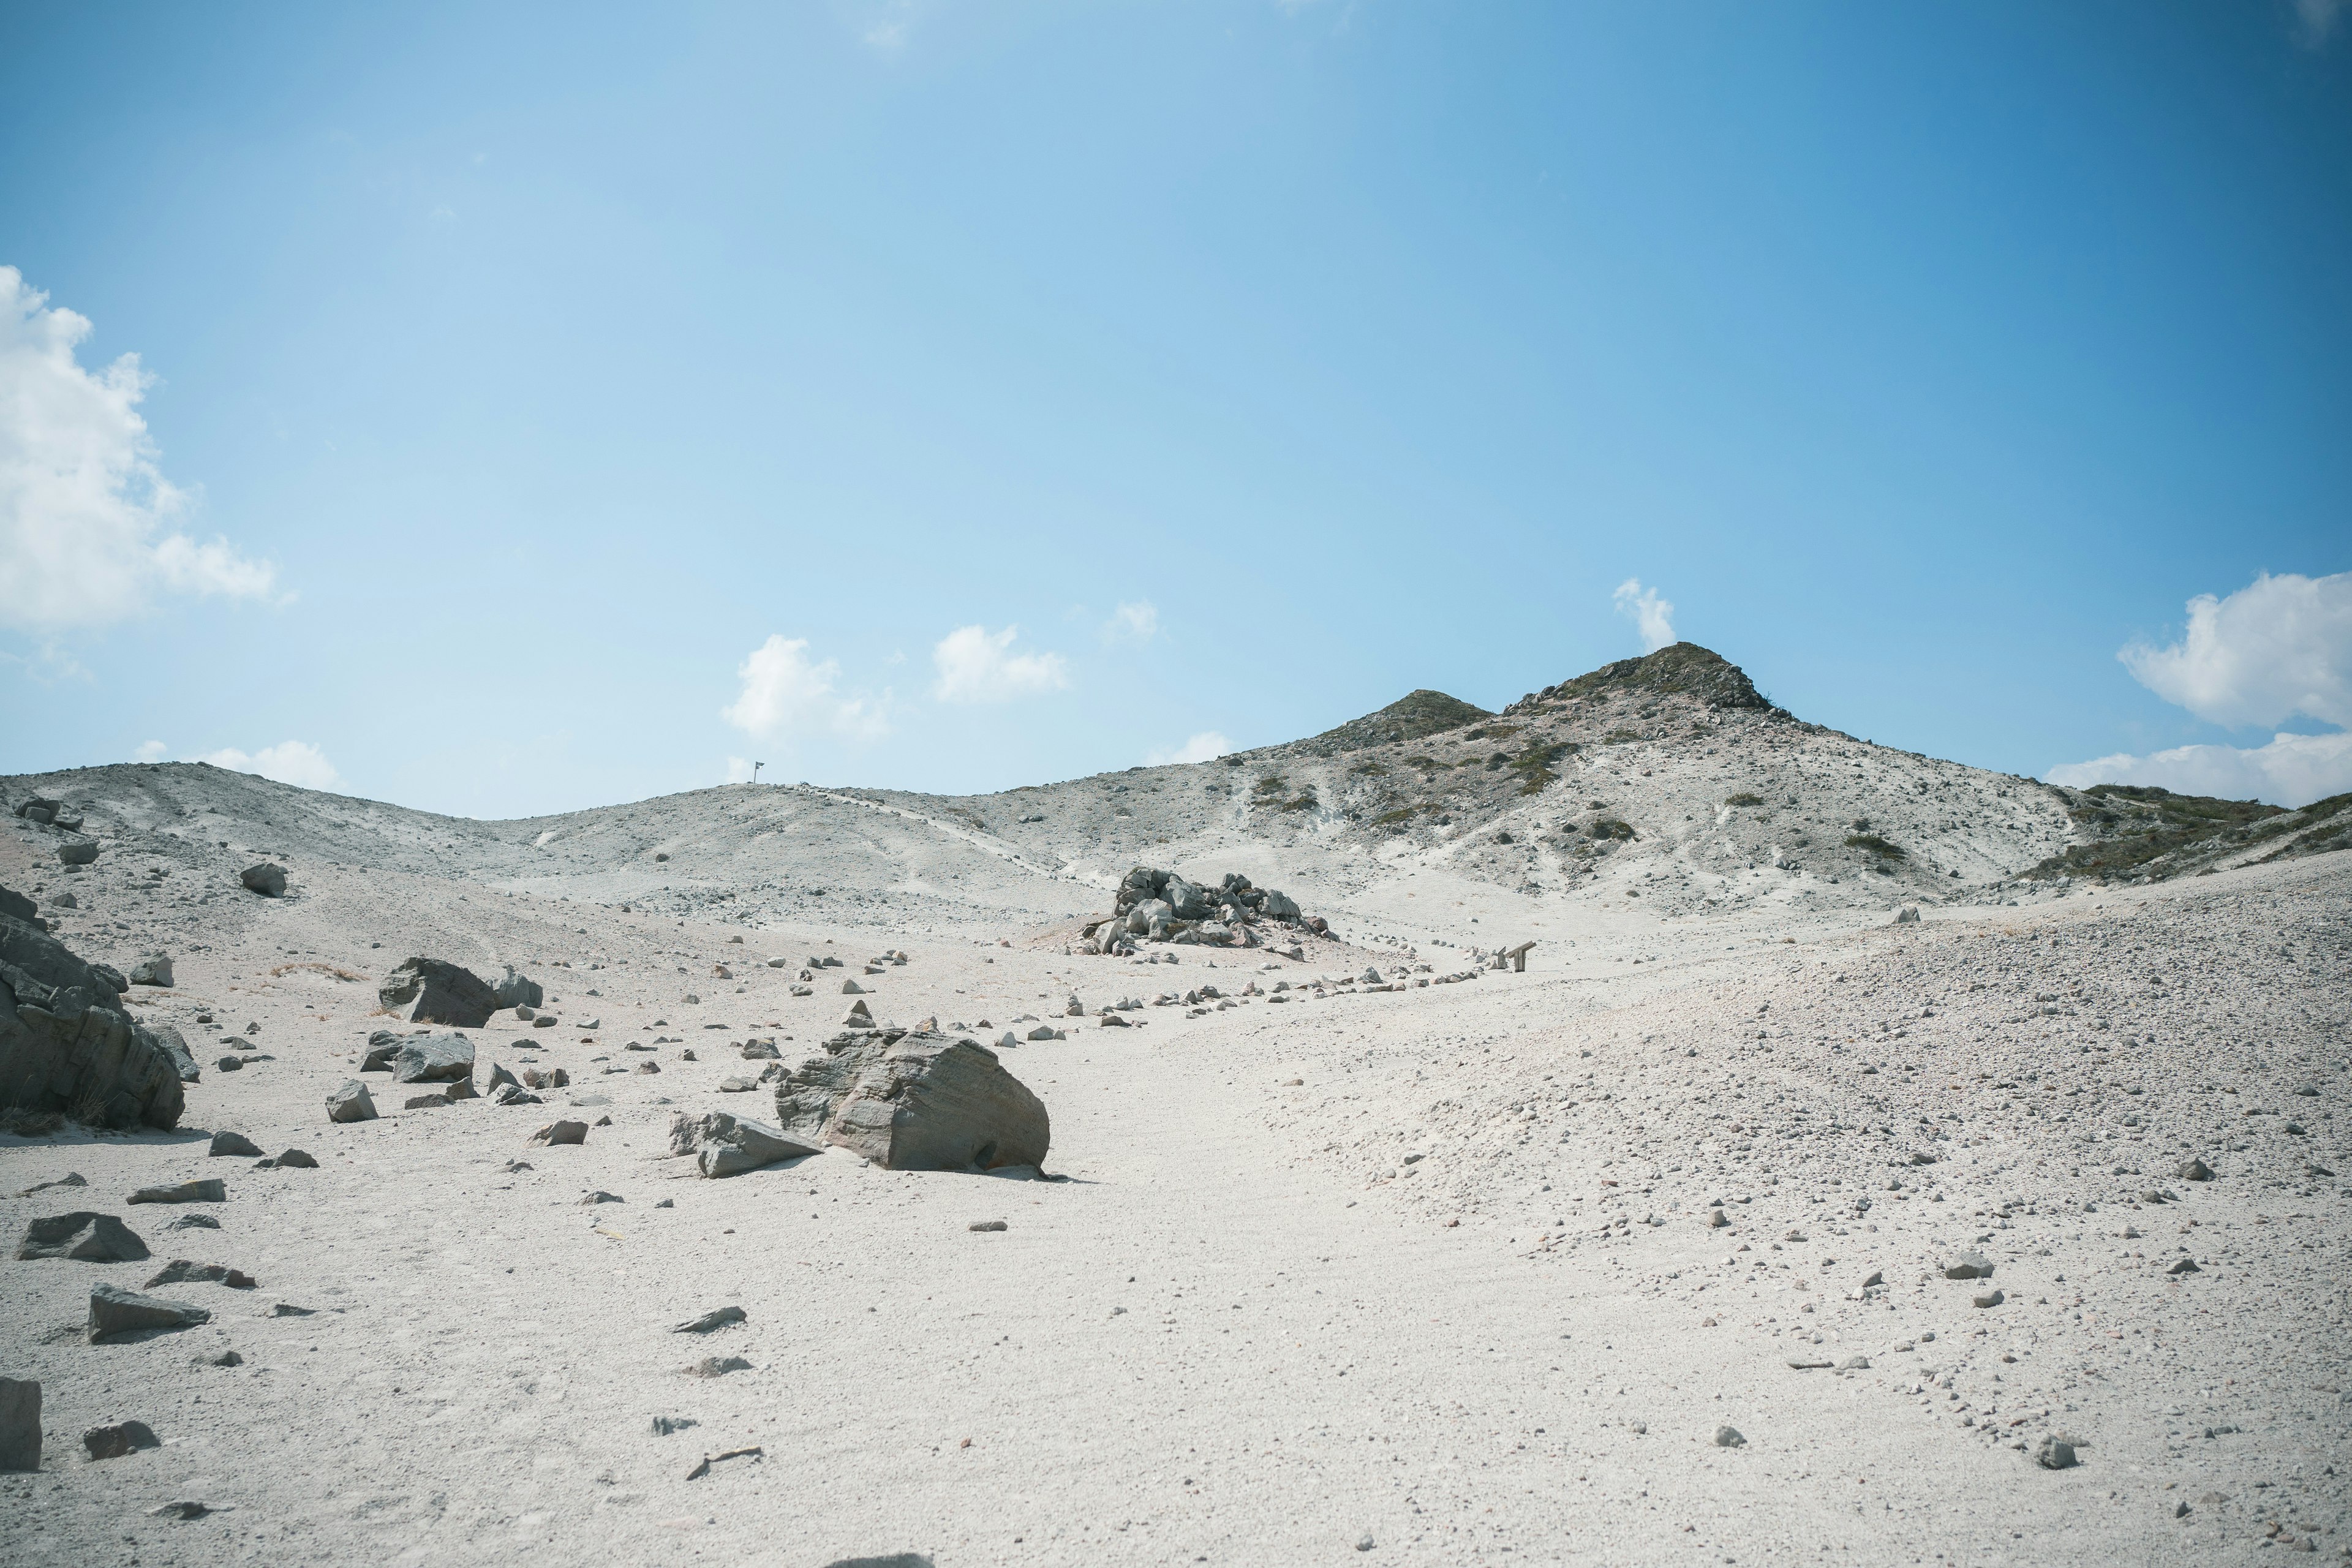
785	697
976	665
1138	622
150	751
288	761
2293	770
739	770
1653	614
1206	747
81	498
2315	19
2279	646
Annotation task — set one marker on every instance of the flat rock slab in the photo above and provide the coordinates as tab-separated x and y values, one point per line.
91	1238
716	1317
113	1442
114	1311
20	1423
432	1058
205	1190
727	1145
180	1271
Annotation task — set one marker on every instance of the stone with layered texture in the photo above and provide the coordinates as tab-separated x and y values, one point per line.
434	1059
726	1145
915	1102
114	1311
66	1046
83	1234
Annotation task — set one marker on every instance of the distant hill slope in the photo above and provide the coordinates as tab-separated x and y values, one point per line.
1666	786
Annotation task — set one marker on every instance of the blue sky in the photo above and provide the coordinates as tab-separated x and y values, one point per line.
541	406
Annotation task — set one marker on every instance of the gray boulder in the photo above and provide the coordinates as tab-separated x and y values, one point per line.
90	1237
17	907
382	1047
1150	917
556	1132
155	969
432	1058
113	1442
77	851
20	1423
914	1102
66	1046
1187	901
267	880
1143	882
114	1311
1279	906
351	1103
725	1145
434	991
39	807
227	1142
515	991
115	980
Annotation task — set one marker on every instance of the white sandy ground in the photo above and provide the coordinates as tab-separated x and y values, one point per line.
1246	1329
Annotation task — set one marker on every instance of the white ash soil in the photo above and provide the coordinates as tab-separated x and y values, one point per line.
1248	1328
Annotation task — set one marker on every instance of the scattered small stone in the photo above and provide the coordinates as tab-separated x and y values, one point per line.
601	1197
2186	1266
226	1358
155	969
1987	1299
182	1508
123	1437
2194	1171
235	1143
84	1235
718	1366
987	1224
1968	1265
351	1103
703	1468
561	1132
665	1425
1802	1365
71	1179
297	1159
288	1309
2055	1453
1729	1437
1854	1364
716	1317
205	1190
193	1222
180	1271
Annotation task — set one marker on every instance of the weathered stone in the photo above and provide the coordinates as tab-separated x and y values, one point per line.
155	969
113	1442
175	1045
298	1160
561	1132
267	880
77	851
915	1102
113	977
1968	1265
193	1222
2194	1171
180	1271
203	1190
179	1508
718	1366
91	1238
1729	1437
227	1142
382	1048
434	1059
114	1311
727	1145
2055	1453
66	1045
434	991
351	1103
20	1423
512	990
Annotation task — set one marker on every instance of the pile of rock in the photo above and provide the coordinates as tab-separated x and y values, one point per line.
1154	905
66	1045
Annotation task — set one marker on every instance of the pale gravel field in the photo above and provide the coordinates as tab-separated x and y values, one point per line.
1246	1328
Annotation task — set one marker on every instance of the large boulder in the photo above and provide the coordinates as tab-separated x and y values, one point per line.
1150	917
516	991
434	1059
914	1101
114	1311
17	907
1187	901
20	1423
351	1103
725	1145
267	880
434	991
77	851
66	1046
1141	883
91	1238
155	969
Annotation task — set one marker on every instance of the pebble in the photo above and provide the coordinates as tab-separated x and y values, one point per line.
1729	1437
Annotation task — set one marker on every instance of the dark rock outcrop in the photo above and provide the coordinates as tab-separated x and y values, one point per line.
66	1046
914	1102
267	880
114	1311
434	1059
434	991
83	1234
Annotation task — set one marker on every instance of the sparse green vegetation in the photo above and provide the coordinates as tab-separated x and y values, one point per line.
1270	783
1744	797
1877	846
2142	830
1302	802
1492	731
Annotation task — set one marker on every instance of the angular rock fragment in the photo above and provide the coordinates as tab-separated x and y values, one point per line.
297	1160
716	1317
205	1190
2194	1171
227	1142
718	1366
727	1145
267	880
561	1132
1729	1437
114	1311
66	1045
180	1271
434	991
155	969
382	1048
86	1236
2055	1453
915	1102
512	990
432	1058
1968	1265
351	1103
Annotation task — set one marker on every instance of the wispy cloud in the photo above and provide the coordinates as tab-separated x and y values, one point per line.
1206	747
288	761
1135	621
977	665
82	499
786	697
1654	616
150	751
2315	20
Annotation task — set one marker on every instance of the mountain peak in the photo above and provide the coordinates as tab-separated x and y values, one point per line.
1682	669
1409	717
